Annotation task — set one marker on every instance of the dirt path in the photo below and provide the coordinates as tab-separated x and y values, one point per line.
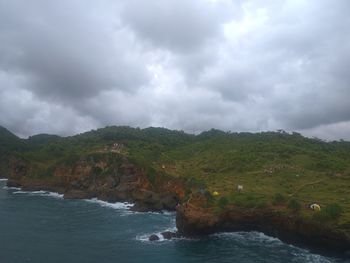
304	185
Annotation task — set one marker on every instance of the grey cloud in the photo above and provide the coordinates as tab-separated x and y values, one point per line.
66	52
69	66
292	64
179	25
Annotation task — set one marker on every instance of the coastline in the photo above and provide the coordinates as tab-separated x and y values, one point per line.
194	222
158	193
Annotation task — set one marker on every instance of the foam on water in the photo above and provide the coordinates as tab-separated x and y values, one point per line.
11	188
117	205
3	179
162	212
40	193
252	236
300	255
54	194
29	192
145	237
306	256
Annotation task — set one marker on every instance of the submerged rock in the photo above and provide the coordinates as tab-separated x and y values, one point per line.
153	238
169	235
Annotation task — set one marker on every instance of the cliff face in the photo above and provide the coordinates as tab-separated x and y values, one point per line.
195	220
88	178
124	181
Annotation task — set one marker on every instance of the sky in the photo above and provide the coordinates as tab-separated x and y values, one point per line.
69	66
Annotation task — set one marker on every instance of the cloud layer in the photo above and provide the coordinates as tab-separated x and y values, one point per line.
70	66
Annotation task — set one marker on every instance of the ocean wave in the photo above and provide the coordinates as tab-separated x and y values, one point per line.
40	193
252	236
162	212
29	192
3	179
304	255
126	207
145	237
117	205
11	188
300	255
55	195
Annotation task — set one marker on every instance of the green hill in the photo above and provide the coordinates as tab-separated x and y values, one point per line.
287	171
9	144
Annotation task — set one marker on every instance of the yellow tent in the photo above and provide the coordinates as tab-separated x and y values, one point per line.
215	193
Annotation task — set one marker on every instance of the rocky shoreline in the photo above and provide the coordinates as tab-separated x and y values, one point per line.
128	183
125	183
194	220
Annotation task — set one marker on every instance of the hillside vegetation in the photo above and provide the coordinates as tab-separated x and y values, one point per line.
285	171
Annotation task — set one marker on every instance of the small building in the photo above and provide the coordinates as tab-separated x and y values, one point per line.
116	147
240	188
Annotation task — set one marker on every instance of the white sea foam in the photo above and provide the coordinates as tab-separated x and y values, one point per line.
252	236
11	188
145	237
301	255
55	195
162	212
20	192
117	205
40	193
3	179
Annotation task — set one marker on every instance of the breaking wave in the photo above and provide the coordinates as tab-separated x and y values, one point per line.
145	237
117	205
11	188
260	239
40	193
252	236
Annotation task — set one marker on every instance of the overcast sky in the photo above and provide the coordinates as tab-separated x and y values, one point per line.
73	65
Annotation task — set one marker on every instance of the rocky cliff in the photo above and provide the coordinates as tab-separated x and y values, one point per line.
100	178
121	180
195	219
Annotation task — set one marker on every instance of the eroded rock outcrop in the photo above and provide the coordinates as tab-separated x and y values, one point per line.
194	219
109	181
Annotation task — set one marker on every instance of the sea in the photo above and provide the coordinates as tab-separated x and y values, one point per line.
42	227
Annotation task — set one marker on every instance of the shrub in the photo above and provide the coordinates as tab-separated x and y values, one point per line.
294	205
333	210
321	216
278	199
261	204
329	213
248	200
223	202
96	170
208	196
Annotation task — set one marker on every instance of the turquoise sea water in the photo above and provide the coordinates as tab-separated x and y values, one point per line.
43	227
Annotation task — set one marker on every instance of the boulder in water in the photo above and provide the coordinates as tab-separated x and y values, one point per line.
169	235
153	237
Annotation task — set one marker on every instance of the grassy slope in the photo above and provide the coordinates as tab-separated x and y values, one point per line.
307	170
